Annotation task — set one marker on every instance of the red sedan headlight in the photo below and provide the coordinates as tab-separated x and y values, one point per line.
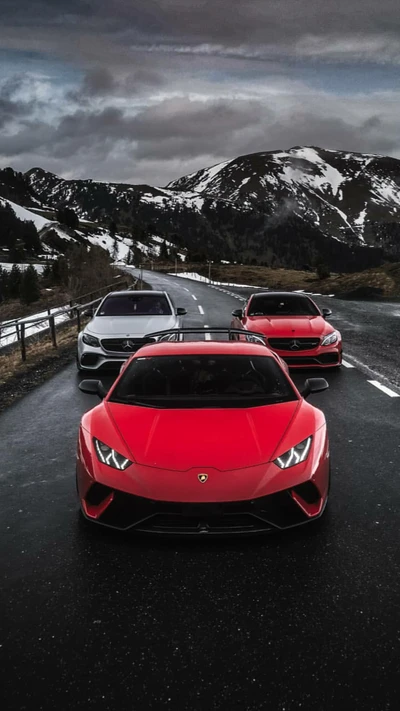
330	339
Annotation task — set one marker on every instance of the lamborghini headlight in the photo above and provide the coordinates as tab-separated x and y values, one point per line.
293	456
330	339
90	340
109	456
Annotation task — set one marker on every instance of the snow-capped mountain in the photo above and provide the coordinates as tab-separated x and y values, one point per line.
344	194
284	208
55	236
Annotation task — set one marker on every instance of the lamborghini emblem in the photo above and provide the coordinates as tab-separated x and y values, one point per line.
202	478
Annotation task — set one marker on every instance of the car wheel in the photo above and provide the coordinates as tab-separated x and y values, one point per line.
78	366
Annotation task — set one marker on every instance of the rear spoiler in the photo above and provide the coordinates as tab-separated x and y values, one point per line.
178	335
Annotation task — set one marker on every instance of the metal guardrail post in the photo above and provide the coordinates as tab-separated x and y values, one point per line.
52	326
22	341
21	327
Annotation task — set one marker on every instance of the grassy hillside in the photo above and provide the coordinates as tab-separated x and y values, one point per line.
386	278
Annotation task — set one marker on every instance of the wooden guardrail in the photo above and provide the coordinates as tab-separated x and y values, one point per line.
72	311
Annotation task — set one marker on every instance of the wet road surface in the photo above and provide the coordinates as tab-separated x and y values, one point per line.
308	619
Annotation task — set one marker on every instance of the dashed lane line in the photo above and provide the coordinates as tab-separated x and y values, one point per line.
384	389
207	336
194	297
347	364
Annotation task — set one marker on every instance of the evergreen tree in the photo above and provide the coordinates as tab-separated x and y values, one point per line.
164	254
322	270
31	238
47	274
115	249
14	282
3	284
29	289
67	216
60	271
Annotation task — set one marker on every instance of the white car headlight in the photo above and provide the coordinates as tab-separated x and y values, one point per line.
109	456
293	456
90	340
330	339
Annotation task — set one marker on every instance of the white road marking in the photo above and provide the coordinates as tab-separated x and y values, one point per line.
200	309
194	297
384	389
370	372
347	365
207	336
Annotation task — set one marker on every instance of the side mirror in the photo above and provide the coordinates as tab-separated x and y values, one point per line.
89	311
326	312
314	385
93	387
238	313
181	312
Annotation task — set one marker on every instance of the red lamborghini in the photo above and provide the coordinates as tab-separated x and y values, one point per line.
295	328
203	437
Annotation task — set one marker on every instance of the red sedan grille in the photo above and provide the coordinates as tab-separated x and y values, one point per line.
293	344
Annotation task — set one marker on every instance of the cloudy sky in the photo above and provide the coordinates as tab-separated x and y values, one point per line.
148	90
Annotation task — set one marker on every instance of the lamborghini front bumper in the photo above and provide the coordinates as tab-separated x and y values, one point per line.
282	510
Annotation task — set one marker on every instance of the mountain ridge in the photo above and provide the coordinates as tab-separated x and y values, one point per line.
282	207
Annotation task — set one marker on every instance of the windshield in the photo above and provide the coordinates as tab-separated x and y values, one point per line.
285	305
135	305
195	381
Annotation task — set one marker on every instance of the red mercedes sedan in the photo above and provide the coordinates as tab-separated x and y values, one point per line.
294	327
203	437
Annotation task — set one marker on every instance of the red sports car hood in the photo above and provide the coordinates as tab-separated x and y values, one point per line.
221	439
301	326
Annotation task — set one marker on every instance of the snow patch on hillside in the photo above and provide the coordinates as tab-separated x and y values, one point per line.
328	174
26	215
7	266
360	220
387	191
194	276
209	174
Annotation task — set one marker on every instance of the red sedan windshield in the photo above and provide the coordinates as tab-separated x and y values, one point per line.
281	305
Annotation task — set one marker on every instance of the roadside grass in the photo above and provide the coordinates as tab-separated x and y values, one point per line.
385	277
13	309
12	365
18	377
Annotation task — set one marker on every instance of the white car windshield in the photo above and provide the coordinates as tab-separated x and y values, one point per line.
135	304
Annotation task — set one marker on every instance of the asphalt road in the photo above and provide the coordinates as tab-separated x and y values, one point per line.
308	619
370	330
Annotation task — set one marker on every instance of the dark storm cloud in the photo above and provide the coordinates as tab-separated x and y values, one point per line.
163	87
11	107
265	23
102	82
98	82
